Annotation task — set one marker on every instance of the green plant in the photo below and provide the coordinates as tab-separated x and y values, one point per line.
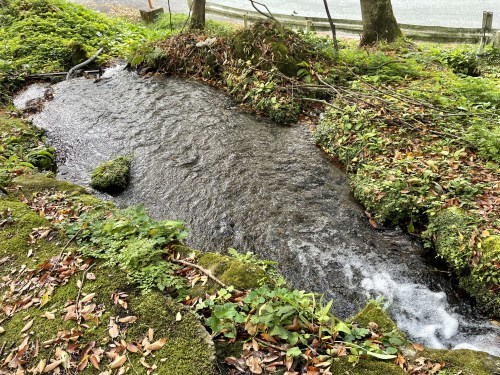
133	241
294	317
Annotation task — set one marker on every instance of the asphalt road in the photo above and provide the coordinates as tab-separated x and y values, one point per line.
128	6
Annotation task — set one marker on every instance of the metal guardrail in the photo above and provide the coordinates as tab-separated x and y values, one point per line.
416	32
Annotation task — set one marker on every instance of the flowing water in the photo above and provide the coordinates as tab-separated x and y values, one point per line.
246	183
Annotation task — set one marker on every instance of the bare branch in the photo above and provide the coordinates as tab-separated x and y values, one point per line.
268	15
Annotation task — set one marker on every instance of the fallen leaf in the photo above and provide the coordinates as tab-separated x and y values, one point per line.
418	347
94	360
128	319
90	276
178	317
253	364
118	362
2	330
132	348
41	365
113	328
156	345
88	298
49	315
151	334
28	326
52	366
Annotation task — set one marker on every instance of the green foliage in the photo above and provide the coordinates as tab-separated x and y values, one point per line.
134	242
112	176
462	61
22	148
51	35
294	317
413	149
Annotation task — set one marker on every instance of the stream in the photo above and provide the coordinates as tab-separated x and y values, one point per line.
243	182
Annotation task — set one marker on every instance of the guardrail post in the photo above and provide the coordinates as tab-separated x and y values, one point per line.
487	27
487	21
245	21
308	25
496	39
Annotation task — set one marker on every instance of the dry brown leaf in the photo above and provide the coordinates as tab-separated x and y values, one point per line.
157	345
268	337
418	347
52	366
118	362
94	360
253	364
41	365
128	319
90	276
83	363
255	345
113	328
132	348
49	315
28	326
151	334
88	298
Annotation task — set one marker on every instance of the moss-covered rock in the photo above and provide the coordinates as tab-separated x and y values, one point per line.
30	184
365	367
373	313
18	222
232	271
451	230
112	176
483	278
189	349
465	362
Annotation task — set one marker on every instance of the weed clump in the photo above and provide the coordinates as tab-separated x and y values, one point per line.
112	176
263	67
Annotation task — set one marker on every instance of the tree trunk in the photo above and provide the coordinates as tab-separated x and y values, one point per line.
198	15
379	22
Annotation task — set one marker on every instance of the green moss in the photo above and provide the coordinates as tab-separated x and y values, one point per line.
365	367
373	313
451	230
30	184
485	276
189	349
233	272
15	240
451	227
465	362
112	176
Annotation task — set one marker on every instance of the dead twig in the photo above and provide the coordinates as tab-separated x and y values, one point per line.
260	341
268	15
204	270
82	281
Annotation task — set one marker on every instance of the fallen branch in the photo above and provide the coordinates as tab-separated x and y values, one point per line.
204	270
85	63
